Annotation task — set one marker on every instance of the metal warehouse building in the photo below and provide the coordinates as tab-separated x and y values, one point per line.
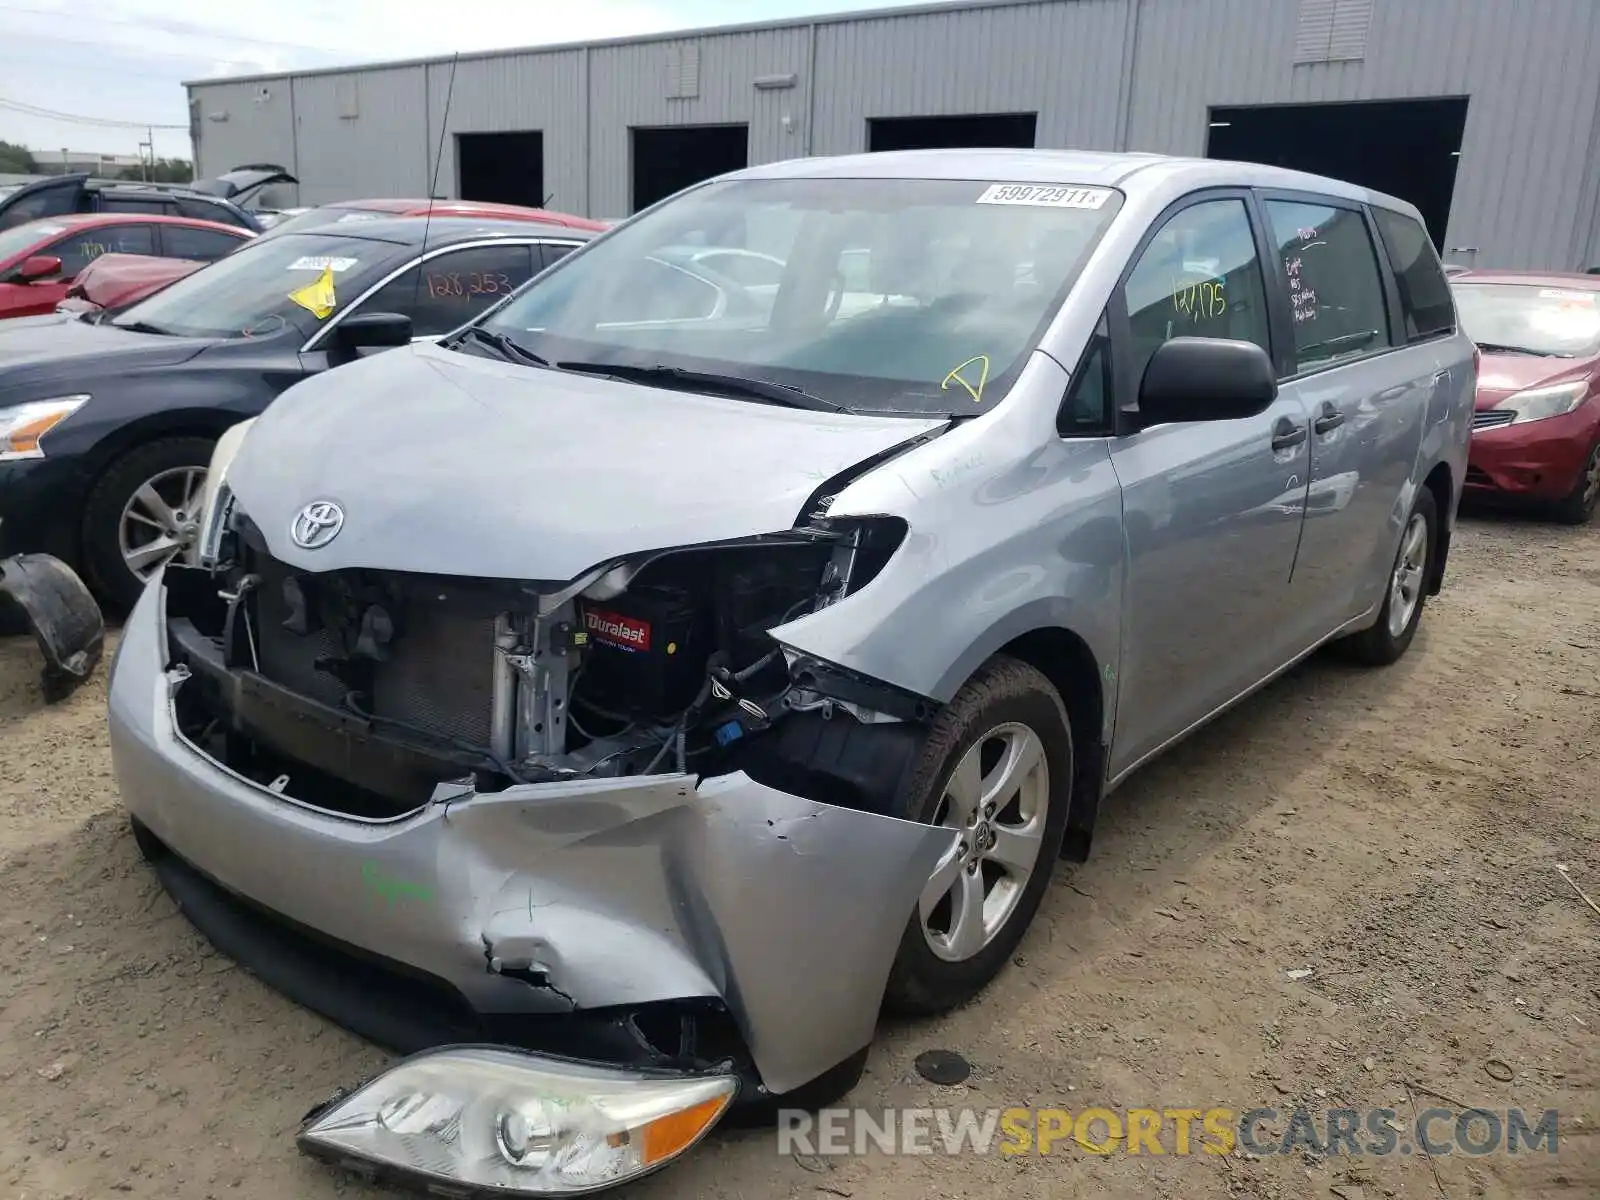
1484	113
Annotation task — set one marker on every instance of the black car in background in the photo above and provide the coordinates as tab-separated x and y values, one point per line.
107	423
221	199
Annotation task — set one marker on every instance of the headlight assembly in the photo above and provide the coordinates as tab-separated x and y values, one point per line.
470	1119
23	426
217	500
1540	403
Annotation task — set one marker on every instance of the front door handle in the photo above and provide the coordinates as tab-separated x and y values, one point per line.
1329	419
1287	434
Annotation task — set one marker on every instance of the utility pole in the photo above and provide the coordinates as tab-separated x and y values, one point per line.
147	164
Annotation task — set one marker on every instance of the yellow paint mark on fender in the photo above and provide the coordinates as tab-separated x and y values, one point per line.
955	376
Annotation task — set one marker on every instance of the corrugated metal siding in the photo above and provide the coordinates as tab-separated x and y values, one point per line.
1531	75
1135	74
633	86
520	92
1061	61
244	122
381	151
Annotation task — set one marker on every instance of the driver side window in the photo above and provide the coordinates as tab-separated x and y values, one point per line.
1199	277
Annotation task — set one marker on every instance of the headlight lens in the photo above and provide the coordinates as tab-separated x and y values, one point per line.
22	427
1536	404
513	1124
217	500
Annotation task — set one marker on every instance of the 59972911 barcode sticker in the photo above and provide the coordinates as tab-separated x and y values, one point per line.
1044	196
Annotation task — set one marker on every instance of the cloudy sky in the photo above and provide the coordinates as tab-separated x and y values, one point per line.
125	60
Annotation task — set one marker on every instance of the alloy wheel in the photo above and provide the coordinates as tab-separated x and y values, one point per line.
1405	589
161	520
998	798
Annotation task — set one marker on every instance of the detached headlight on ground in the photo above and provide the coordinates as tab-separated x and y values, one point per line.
510	1124
1536	404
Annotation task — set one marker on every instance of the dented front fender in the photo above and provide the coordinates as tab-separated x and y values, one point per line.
60	613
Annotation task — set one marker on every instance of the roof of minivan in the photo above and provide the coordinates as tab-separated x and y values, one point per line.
1128	172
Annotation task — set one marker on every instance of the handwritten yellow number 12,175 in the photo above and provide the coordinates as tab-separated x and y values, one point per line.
1203	299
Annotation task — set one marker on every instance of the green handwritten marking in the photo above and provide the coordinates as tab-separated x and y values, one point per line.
391	889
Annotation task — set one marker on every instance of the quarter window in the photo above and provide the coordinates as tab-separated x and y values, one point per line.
1199	277
452	289
1335	290
1424	293
183	241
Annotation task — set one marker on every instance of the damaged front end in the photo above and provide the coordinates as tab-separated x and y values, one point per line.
62	615
634	842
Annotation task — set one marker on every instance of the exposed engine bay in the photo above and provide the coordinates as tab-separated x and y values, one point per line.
374	693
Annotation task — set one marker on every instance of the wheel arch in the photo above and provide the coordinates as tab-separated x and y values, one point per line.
1065	659
1441	483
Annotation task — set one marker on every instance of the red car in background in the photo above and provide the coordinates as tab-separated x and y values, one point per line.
40	259
1536	432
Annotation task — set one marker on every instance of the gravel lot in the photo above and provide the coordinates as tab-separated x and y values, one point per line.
1395	831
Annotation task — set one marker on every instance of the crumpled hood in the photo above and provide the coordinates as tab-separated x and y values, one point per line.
63	348
451	464
1502	375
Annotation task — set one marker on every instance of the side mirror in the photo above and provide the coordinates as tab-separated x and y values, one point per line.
375	331
1206	379
40	266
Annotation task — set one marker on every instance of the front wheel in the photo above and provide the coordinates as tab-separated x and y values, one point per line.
143	513
1578	506
996	768
1397	621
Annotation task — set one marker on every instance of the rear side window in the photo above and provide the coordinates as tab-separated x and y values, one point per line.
112	203
1424	292
1335	288
182	241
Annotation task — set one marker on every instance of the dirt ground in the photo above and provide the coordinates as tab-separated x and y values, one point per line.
1396	831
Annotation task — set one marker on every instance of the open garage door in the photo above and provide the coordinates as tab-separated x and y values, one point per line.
1407	148
501	168
1004	130
667	160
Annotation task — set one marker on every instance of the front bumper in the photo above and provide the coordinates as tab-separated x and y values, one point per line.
1539	460
555	899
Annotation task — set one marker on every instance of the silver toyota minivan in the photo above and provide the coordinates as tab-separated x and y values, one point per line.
721	638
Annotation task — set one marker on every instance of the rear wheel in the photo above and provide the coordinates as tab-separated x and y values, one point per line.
1579	505
1397	622
997	768
144	512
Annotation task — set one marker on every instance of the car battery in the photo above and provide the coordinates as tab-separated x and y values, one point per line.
646	652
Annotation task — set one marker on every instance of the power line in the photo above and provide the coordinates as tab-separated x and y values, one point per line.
32	110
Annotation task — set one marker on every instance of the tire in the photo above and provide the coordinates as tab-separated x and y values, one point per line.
111	579
1578	506
1384	643
993	716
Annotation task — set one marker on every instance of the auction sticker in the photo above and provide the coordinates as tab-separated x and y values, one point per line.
1041	196
318	262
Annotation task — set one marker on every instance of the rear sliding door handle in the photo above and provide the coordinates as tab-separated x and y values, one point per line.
1287	434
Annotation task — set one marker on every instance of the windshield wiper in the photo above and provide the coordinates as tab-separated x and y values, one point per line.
507	349
1503	348
143	327
737	385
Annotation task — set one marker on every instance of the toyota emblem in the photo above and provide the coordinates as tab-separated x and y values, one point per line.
317	524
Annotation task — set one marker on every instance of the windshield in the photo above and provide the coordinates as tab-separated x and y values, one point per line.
1532	319
261	289
889	294
25	237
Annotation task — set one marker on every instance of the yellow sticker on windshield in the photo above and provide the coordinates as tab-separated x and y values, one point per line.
318	298
981	361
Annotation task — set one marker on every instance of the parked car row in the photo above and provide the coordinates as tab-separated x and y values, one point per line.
854	526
